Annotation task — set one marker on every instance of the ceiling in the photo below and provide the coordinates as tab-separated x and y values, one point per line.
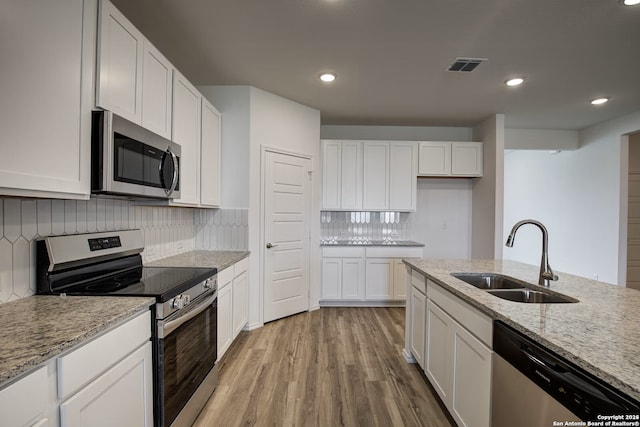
391	56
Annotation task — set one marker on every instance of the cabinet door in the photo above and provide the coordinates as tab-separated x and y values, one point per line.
434	158
331	180
439	351
375	176
379	274
403	179
120	51
240	302
351	175
186	132
210	156
471	393
418	325
353	278
48	64
122	396
157	91
466	158
25	402
225	318
331	278
399	280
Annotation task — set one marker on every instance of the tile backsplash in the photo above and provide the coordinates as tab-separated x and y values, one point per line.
365	225
167	231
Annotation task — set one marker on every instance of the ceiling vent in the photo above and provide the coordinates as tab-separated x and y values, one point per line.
465	64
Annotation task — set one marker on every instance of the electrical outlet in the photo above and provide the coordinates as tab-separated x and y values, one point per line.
594	276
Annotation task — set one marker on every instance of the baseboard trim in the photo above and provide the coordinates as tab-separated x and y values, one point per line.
362	304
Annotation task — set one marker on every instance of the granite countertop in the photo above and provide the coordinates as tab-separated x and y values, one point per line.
353	242
210	259
40	327
600	333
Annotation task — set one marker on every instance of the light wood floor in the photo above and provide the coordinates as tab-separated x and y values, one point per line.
331	367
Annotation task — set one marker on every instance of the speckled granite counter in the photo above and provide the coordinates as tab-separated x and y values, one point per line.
601	333
210	259
385	243
37	328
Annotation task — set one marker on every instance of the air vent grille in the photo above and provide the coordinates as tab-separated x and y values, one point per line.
465	64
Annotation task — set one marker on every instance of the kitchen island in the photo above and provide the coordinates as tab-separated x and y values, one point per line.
600	333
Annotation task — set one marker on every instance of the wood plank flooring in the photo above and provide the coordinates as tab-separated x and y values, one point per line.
335	366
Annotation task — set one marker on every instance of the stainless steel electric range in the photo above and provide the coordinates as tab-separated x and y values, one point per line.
184	330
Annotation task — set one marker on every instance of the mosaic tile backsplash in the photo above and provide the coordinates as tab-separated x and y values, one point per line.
167	231
365	226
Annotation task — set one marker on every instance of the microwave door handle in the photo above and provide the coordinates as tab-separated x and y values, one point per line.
176	172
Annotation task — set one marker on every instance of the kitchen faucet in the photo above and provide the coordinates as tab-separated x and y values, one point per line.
546	273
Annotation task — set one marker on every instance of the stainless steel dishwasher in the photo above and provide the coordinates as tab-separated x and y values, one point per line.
534	387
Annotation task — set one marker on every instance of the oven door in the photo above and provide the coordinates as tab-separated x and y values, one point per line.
187	352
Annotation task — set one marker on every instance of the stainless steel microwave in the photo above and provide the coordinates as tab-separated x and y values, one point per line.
128	160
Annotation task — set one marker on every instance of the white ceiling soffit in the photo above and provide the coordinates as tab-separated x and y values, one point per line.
392	56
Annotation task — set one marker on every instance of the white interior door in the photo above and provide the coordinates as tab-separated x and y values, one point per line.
287	207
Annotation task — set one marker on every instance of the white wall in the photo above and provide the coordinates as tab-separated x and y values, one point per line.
578	196
442	220
488	194
396	133
540	139
252	119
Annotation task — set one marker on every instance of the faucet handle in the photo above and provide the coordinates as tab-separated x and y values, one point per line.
549	275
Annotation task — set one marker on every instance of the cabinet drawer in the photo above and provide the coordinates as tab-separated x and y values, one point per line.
87	362
23	400
418	281
395	252
225	277
343	252
473	320
240	267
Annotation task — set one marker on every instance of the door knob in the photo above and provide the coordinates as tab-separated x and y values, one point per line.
269	246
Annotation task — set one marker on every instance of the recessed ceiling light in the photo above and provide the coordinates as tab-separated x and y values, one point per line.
328	77
630	2
599	101
516	81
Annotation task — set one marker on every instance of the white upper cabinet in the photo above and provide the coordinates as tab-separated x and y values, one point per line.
403	169
157	90
342	175
186	132
466	159
210	156
120	62
438	158
375	195
48	60
369	175
134	79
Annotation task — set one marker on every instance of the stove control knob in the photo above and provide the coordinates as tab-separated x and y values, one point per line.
186	299
208	284
178	302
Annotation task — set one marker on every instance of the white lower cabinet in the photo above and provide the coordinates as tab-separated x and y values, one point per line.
225	310
456	354
127	387
365	274
343	274
233	303
26	402
418	325
83	386
112	371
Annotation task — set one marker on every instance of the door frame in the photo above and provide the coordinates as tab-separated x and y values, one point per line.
264	149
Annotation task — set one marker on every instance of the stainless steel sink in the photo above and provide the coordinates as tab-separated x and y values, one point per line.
511	289
488	280
530	296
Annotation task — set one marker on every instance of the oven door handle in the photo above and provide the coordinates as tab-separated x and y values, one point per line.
172	325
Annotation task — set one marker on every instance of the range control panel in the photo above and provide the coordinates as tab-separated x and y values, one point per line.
104	243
